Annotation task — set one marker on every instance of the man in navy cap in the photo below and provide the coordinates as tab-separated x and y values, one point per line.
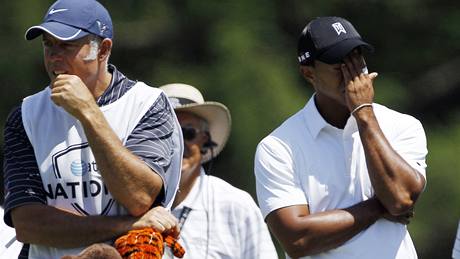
94	153
340	178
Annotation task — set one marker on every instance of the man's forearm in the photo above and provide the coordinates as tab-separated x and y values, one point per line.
319	232
129	179
395	182
49	226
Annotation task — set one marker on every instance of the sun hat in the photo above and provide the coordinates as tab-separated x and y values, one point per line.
328	39
73	19
186	98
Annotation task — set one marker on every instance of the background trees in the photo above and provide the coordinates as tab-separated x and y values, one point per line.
243	53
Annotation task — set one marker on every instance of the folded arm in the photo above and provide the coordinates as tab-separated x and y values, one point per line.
129	179
302	234
396	183
49	226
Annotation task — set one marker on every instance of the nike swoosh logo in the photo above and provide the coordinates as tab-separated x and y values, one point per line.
52	11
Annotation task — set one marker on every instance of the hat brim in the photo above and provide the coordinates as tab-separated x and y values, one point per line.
336	53
219	121
58	30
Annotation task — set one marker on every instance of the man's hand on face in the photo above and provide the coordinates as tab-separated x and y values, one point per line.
69	92
358	85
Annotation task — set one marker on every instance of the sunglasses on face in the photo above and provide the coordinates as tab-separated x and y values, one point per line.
189	133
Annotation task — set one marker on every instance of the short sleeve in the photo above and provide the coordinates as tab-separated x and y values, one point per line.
22	180
411	144
276	182
152	140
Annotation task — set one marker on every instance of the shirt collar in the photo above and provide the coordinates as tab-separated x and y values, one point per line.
118	86
316	123
313	119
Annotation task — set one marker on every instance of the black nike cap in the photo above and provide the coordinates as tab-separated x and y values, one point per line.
328	39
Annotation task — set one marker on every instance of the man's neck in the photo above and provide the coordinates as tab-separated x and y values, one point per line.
333	112
186	186
101	84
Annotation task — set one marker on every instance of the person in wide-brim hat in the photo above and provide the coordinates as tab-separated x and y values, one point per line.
206	204
186	98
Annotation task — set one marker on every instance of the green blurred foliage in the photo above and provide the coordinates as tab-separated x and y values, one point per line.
243	54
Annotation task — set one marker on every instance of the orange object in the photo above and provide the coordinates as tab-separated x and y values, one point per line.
147	243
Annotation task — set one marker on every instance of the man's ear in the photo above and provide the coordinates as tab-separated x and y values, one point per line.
105	49
307	73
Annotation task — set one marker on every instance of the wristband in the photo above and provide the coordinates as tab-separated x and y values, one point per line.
360	106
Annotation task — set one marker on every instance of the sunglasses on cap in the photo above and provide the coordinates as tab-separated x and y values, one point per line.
189	133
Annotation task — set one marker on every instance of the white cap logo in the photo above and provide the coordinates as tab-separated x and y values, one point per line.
304	56
338	27
102	27
53	11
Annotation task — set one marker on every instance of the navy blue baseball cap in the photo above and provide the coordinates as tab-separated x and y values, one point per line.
328	39
73	19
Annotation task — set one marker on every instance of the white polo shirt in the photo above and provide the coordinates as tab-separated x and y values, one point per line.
456	250
308	161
